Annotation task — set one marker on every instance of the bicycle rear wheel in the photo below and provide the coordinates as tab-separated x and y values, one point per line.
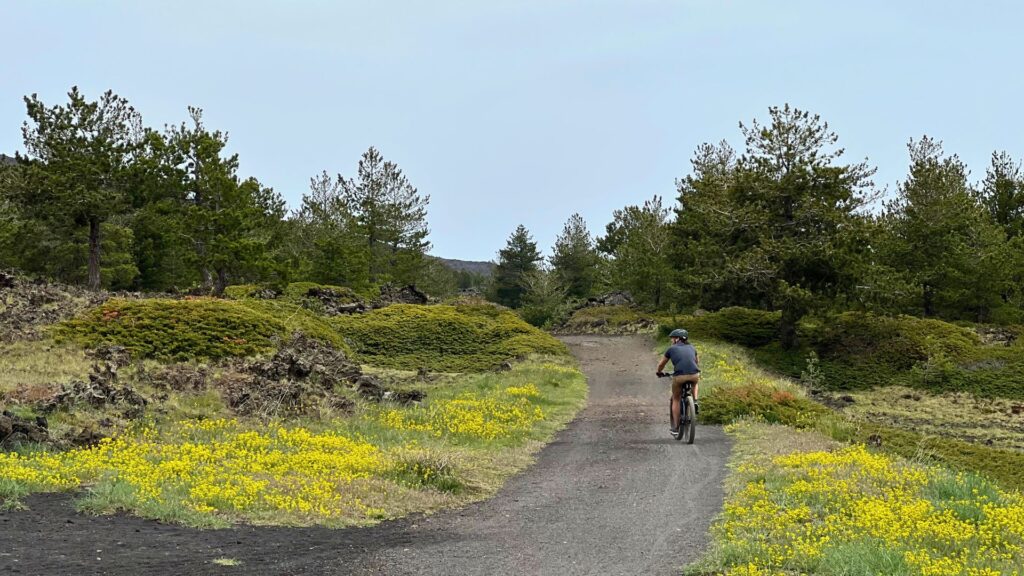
678	436
689	418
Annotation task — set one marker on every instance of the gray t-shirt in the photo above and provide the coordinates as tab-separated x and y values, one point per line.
684	359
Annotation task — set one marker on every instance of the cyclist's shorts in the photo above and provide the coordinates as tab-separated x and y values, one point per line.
679	381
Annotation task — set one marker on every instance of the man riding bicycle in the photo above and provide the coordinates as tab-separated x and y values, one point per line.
685	369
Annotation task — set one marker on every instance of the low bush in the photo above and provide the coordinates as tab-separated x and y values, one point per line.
443	338
177	330
735	325
726	404
897	342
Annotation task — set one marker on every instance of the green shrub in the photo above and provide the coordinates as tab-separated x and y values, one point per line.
241	291
193	329
724	404
294	293
742	326
898	342
443	338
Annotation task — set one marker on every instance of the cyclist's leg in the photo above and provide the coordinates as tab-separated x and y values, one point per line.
677	395
693	380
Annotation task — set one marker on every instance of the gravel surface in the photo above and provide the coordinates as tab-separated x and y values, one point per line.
613	494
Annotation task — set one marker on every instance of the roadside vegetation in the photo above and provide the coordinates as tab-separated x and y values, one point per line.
814	491
799	503
383	461
909	415
274	408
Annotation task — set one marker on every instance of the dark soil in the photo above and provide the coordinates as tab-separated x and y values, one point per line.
613	494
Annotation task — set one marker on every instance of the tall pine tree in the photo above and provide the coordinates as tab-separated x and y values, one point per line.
78	174
391	216
574	260
516	262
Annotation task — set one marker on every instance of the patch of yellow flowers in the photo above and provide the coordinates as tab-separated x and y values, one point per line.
505	414
216	465
804	512
226	467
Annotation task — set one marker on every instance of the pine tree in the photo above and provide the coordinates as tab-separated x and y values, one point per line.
328	238
391	216
638	242
574	259
80	154
1003	193
953	251
232	225
516	262
774	227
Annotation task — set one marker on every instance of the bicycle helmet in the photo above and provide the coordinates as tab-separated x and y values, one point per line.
679	333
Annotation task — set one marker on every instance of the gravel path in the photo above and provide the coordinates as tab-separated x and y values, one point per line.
613	494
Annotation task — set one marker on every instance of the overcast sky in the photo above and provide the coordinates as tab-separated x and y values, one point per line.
509	112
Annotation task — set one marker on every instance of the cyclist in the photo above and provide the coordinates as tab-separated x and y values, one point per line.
685	368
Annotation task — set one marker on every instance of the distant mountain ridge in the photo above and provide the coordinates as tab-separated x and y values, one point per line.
473	267
7	160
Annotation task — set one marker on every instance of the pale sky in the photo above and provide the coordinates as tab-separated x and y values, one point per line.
509	112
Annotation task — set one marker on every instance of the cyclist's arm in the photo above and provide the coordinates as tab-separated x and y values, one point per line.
661	365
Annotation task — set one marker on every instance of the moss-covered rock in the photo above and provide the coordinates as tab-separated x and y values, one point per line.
608	320
443	338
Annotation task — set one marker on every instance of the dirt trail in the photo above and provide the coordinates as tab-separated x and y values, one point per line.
613	494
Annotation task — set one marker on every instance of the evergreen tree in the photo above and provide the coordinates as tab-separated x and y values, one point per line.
953	251
574	259
516	262
77	177
544	294
1003	193
233	226
11	220
328	236
391	216
638	242
773	227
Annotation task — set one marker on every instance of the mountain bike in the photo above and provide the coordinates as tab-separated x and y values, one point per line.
687	413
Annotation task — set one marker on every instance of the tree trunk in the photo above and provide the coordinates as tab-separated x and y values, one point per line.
221	282
929	305
94	254
787	327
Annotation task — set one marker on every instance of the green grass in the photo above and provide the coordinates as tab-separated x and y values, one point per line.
1005	467
33	366
961	416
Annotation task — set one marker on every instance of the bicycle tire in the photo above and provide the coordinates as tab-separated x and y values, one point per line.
691	420
678	436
